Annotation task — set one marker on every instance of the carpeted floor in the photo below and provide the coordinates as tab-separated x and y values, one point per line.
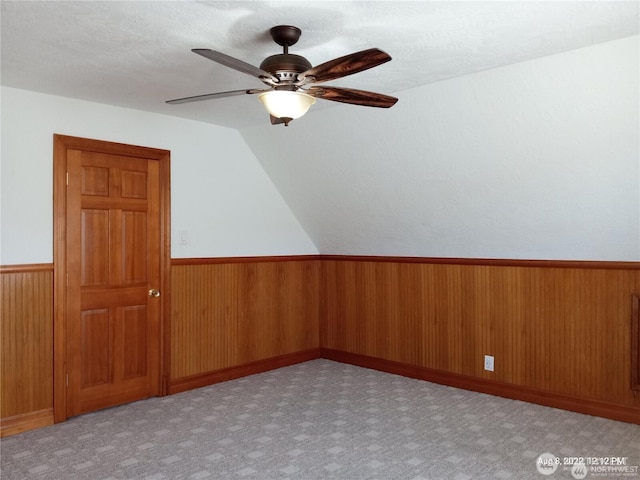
321	420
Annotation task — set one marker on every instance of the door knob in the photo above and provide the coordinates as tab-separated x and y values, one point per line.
154	293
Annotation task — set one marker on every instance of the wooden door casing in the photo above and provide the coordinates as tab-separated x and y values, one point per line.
108	332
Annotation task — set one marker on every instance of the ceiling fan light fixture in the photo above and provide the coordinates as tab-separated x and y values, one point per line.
290	78
286	104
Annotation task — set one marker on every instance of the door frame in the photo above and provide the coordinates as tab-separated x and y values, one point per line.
61	144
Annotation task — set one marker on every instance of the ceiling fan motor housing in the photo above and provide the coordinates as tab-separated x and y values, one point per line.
285	66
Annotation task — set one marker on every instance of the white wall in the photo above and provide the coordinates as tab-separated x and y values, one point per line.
536	160
220	195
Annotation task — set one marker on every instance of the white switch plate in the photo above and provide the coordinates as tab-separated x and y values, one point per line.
184	239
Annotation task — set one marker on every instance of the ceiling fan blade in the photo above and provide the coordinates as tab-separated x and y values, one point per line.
353	96
234	63
343	66
211	96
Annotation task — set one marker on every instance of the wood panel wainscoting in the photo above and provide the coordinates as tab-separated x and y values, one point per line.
26	352
563	334
560	332
635	343
236	316
230	317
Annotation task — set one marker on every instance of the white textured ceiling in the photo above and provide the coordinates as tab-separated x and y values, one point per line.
137	53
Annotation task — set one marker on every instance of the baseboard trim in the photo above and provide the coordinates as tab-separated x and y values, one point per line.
597	408
26	421
42	418
202	380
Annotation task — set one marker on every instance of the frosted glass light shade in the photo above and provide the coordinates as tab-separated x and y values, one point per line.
286	104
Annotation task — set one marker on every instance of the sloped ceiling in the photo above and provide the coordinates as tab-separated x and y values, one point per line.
484	164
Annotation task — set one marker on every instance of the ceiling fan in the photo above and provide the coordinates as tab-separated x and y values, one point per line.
291	79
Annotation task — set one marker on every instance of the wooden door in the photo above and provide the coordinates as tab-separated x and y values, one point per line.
114	249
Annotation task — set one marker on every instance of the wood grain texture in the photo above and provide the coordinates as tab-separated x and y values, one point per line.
113	238
26	421
95	182
225	374
230	314
564	332
561	330
26	353
490	262
635	343
248	259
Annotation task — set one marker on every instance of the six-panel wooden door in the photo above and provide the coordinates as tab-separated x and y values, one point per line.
113	280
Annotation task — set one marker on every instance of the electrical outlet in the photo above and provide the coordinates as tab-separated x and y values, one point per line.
488	363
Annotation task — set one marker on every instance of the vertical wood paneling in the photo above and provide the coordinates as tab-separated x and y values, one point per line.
562	330
230	314
203	318
27	340
552	328
635	343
